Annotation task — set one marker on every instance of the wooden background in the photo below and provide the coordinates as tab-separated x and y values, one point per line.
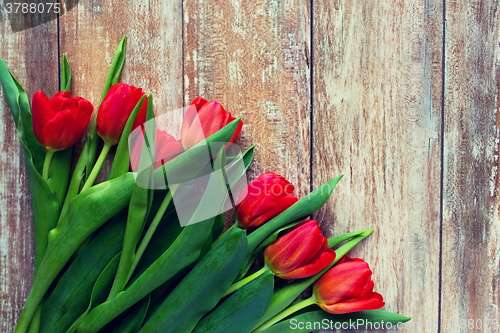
400	96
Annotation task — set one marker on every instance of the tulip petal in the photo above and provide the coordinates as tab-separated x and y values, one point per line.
202	119
290	250
252	208
189	116
282	205
266	197
367	290
42	112
342	282
141	116
60	100
192	130
354	306
212	117
323	261
59	132
115	110
85	109
171	150
237	132
321	246
166	148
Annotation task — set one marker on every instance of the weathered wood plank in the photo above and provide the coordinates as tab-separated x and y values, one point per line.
253	57
35	65
377	120
90	33
471	226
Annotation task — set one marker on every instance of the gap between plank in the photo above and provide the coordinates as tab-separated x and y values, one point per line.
441	195
311	93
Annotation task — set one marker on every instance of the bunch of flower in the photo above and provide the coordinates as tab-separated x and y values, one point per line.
113	257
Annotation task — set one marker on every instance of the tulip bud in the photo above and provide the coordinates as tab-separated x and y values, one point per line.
115	110
166	148
202	119
267	196
58	122
347	287
300	253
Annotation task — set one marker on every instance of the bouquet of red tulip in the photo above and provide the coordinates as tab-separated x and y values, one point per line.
145	250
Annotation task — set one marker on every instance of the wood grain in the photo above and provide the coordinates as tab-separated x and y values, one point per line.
471	226
377	120
89	36
35	66
405	107
253	57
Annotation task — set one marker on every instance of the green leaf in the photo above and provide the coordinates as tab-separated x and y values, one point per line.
202	288
188	165
88	154
65	74
100	291
134	317
113	77
71	296
19	107
45	210
36	149
218	227
246	156
334	241
11	92
121	161
319	319
116	67
240	312
186	249
166	233
236	166
90	209
77	179
45	197
137	214
59	172
286	295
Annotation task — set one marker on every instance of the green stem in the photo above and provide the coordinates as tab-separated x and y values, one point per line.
46	164
151	230
125	269
285	313
243	282
76	179
97	167
224	234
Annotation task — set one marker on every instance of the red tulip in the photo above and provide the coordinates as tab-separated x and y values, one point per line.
267	196
166	148
115	110
300	253
58	122
347	287
202	119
